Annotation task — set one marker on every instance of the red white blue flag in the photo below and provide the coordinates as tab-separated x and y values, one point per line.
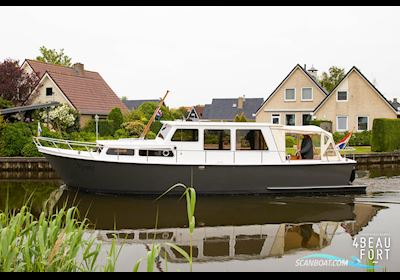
159	114
343	143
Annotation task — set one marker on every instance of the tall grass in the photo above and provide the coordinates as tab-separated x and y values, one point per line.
48	243
190	194
58	242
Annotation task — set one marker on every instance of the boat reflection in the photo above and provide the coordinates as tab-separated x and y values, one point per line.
235	227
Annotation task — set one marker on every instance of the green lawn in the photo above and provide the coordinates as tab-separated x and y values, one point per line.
359	150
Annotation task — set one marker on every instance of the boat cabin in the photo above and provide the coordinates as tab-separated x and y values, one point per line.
227	143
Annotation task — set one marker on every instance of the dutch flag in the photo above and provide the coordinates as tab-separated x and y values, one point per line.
159	114
343	143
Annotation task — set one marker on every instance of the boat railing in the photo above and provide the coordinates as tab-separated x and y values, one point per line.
62	144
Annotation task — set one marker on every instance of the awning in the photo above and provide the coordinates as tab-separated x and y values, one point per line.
20	109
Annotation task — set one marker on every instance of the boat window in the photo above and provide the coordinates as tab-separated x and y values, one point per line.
303	146
120	152
156	153
186	135
164	131
217	139
250	139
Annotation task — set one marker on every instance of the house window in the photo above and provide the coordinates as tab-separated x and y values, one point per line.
342	96
306	94
217	139
276	118
186	135
290	94
362	123
341	123
49	91
250	140
290	119
307	119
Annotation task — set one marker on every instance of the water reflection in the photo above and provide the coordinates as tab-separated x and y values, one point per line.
228	228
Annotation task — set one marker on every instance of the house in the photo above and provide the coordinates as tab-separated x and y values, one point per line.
195	113
395	104
134	104
226	109
353	104
83	90
293	101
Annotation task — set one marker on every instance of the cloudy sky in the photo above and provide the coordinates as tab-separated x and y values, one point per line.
200	53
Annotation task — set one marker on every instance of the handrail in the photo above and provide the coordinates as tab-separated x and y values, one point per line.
72	145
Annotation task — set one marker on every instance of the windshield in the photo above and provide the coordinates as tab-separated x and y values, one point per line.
164	131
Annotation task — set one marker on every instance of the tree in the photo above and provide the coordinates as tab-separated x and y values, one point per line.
54	57
15	84
330	80
240	118
116	116
179	113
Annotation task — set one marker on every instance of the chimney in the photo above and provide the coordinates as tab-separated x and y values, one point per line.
241	101
394	100
79	68
313	72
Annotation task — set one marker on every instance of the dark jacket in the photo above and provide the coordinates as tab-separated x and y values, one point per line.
307	151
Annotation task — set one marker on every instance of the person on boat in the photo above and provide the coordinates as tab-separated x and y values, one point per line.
307	150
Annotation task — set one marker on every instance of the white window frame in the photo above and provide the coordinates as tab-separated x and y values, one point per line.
286	119
312	94
309	114
278	116
367	123
337	96
289	100
337	123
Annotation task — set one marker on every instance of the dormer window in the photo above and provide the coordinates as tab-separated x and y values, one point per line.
49	91
341	95
290	94
234	105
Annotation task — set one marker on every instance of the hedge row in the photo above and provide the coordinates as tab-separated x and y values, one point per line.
357	139
386	135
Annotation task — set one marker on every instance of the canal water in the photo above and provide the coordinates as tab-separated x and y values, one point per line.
240	233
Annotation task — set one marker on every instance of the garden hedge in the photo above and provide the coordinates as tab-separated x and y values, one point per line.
385	135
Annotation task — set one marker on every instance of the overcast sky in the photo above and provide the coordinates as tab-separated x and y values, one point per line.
200	53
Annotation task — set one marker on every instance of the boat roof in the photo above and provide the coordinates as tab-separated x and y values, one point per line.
294	129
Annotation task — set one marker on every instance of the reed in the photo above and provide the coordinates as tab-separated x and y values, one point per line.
49	243
190	194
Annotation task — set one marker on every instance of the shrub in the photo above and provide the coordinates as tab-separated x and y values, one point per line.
46	132
116	117
30	150
2	123
290	141
5	103
385	135
357	139
151	135
88	136
106	127
13	139
62	118
121	133
324	124
134	128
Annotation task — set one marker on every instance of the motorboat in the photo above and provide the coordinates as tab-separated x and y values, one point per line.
213	157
